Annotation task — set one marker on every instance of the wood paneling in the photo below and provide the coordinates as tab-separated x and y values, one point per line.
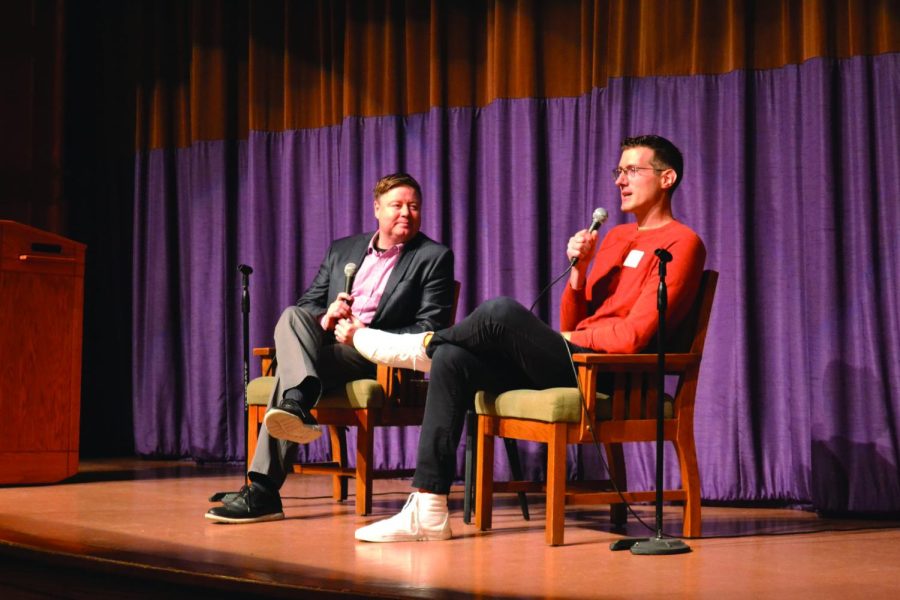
41	303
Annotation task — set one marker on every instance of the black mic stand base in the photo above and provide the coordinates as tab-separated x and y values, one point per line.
655	546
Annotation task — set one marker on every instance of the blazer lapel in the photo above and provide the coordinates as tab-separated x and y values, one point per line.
355	253
359	249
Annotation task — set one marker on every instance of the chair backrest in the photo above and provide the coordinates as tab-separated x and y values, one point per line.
691	333
456	286
635	392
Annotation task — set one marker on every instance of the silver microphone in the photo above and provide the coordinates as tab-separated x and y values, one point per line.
600	215
349	273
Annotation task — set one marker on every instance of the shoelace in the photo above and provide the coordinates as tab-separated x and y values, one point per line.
245	493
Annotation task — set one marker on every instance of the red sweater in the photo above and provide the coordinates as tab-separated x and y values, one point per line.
616	311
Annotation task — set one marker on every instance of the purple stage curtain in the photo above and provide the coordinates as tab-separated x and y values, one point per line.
792	178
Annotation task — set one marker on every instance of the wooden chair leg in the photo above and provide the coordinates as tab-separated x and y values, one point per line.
515	466
338	437
484	487
556	485
365	450
615	458
690	481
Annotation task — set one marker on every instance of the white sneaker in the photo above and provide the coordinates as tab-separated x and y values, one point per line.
404	350
424	518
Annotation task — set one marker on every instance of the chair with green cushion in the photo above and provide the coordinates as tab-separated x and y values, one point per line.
396	397
562	416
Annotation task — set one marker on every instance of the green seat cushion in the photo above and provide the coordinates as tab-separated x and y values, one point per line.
553	405
259	391
361	393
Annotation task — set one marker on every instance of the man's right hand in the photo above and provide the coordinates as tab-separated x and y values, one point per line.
337	310
582	246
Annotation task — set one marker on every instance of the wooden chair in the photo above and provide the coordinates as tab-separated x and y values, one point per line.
556	417
396	397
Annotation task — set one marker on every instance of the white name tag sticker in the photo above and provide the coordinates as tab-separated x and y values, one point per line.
634	258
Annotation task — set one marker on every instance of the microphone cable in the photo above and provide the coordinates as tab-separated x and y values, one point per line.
598	217
548	286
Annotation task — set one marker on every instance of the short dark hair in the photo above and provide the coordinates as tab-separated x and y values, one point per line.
665	154
394	180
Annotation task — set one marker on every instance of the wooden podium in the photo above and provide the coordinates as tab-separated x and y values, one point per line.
41	306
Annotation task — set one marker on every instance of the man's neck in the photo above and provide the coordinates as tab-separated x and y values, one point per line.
379	245
658	216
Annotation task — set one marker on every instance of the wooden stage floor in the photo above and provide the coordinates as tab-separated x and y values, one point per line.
135	529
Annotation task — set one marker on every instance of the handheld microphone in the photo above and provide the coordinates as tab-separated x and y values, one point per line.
245	269
349	273
600	215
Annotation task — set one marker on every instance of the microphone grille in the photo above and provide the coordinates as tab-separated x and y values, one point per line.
600	215
350	269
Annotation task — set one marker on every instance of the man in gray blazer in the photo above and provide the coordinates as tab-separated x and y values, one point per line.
404	284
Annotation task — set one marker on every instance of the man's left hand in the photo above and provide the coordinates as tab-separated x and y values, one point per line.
345	328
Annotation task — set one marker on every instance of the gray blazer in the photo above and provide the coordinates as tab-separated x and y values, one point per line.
419	292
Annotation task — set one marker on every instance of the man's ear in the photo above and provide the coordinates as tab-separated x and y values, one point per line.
668	178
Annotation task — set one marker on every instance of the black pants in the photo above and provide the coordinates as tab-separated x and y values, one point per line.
499	347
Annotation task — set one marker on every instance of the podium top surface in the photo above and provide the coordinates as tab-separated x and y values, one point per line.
22	245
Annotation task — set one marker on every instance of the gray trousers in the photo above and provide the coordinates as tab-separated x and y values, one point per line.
310	359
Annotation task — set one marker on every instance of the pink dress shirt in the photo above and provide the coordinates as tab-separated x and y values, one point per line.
371	279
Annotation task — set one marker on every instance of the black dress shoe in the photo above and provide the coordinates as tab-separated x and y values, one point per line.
252	504
291	421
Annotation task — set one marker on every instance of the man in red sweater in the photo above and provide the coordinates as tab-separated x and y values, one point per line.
609	305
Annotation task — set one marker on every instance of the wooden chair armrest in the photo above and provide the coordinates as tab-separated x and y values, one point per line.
675	362
266	360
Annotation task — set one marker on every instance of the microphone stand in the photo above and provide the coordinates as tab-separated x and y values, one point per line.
658	545
245	271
